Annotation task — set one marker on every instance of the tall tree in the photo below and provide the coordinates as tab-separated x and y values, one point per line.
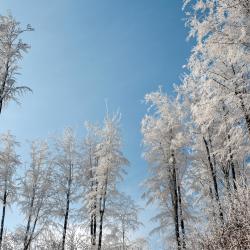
9	160
164	144
217	86
89	182
110	165
66	190
11	52
36	192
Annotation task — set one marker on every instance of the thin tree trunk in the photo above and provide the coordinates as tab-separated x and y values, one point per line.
102	210
93	229
234	176
232	164
65	222
175	203
226	177
213	178
29	219
27	246
3	217
245	112
65	226
123	237
182	220
242	103
100	230
3	85
176	216
93	215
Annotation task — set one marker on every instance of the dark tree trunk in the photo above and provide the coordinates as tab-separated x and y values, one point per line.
66	216
3	217
175	204
93	229
239	94
65	221
182	220
93	215
102	210
28	244
214	178
3	85
226	177
245	112
29	220
123	240
100	230
232	164
234	176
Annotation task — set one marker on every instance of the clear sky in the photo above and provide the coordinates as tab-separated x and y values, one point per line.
86	51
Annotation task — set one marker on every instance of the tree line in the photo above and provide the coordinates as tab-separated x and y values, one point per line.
195	141
67	192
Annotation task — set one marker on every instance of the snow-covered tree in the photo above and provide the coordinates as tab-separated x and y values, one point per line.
9	160
66	164
123	219
235	231
88	181
35	193
110	168
164	149
102	167
217	88
11	52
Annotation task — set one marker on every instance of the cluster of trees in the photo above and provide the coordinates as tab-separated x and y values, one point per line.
197	143
67	194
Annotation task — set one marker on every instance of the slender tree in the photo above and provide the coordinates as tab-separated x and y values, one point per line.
110	165
66	190
35	192
123	214
11	52
88	180
164	144
9	160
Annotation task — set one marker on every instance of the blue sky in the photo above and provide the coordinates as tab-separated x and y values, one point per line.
86	51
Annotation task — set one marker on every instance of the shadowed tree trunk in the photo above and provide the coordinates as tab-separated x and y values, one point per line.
93	215
175	203
214	178
102	210
182	219
3	85
65	226
29	219
100	230
243	107
3	217
232	165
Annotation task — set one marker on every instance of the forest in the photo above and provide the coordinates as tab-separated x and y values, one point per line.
196	142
